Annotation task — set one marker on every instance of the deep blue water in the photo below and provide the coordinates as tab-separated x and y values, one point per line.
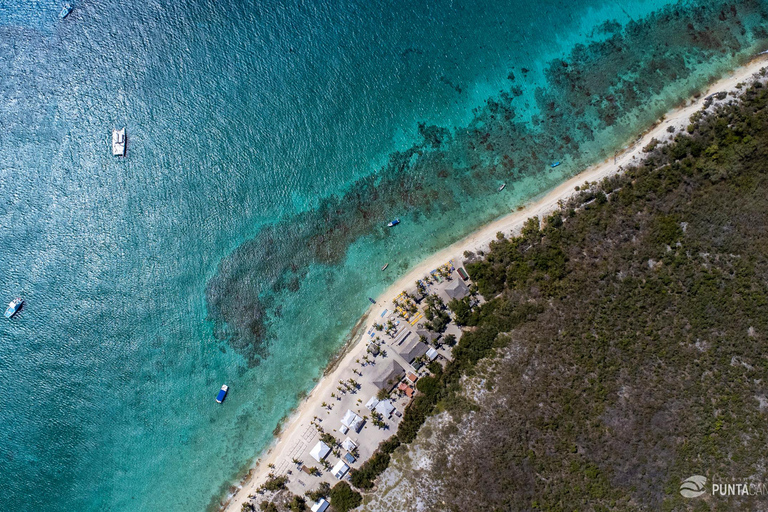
238	240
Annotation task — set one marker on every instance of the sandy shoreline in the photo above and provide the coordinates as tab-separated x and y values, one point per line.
479	240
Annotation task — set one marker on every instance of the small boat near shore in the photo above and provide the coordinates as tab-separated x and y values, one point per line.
385	267
65	10
222	393
118	142
372	301
555	164
393	223
13	307
503	185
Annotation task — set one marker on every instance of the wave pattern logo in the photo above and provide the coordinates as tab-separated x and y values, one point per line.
693	486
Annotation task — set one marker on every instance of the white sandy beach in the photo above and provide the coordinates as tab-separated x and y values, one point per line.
281	452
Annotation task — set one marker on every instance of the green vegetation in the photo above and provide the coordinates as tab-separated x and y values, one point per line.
631	330
344	498
329	439
435	313
323	491
364	477
275	483
297	504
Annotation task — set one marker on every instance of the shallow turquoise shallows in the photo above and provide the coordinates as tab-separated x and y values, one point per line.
238	240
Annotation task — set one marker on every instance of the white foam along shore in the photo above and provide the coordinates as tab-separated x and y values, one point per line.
278	453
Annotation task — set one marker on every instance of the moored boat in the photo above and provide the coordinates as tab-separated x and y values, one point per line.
394	223
14	307
65	10
222	393
118	142
502	187
372	301
555	164
385	267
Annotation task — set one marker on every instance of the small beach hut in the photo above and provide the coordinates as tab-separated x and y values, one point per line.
385	408
321	505
352	420
457	289
370	404
428	336
340	469
349	445
320	451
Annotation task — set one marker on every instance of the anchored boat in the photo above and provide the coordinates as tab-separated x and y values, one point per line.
65	10
14	307
222	393
394	223
118	142
555	164
385	267
502	187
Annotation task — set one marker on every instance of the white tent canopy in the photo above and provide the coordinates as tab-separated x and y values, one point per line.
320	451
371	403
432	354
320	506
385	408
339	470
352	420
348	445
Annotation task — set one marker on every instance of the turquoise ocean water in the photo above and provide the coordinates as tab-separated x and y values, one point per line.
238	241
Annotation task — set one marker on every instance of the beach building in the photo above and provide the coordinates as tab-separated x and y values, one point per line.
457	289
412	349
352	420
371	404
349	458
427	336
340	469
349	445
405	388
320	451
463	274
388	376
321	505
432	354
385	408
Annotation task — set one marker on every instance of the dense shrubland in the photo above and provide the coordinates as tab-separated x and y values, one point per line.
632	333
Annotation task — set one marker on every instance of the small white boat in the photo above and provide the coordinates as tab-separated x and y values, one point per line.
385	267
14	307
118	142
393	223
502	187
65	10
